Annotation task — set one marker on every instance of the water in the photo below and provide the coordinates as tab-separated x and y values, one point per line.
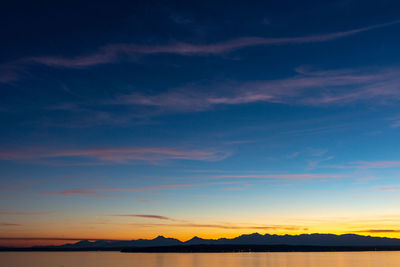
273	259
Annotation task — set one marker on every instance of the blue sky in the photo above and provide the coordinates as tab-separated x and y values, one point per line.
226	118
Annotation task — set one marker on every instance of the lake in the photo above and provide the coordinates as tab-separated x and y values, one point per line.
272	259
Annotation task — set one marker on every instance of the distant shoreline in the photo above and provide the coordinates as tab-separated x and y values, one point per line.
213	249
251	248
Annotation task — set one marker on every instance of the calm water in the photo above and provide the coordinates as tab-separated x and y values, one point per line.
116	259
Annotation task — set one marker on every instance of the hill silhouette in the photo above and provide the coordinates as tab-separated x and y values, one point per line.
256	240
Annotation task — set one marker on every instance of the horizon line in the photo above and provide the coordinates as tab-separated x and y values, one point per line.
196	236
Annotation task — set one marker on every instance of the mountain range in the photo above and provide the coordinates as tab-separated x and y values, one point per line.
326	240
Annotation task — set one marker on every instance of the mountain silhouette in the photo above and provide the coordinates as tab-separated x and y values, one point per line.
300	240
200	241
249	242
158	241
326	240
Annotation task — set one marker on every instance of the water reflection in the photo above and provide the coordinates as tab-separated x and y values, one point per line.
282	259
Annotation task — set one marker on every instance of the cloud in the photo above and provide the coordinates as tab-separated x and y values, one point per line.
145	200
110	53
145	216
148	188
86	117
115	155
388	188
226	226
77	191
301	176
323	88
25	212
239	142
395	121
238	188
314	163
377	164
292	155
318	88
9	224
377	231
365	180
184	223
395	124
98	191
9	73
115	52
173	222
368	165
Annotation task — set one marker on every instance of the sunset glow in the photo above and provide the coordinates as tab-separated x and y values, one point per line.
210	120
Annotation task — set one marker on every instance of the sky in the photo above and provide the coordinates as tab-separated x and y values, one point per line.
132	119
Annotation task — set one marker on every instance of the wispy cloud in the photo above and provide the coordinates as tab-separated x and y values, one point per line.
323	88
100	190
75	191
25	212
365	180
115	155
227	226
301	176
10	72
185	223
318	88
395	124
239	142
148	188
9	224
144	216
368	165
115	52
389	188
145	200
315	162
377	231
292	155
111	53
377	164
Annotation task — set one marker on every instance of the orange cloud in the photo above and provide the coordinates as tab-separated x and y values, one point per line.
227	226
146	216
375	231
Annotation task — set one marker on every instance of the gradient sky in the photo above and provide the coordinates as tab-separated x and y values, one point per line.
133	119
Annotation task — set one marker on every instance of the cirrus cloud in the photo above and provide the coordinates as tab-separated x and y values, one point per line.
115	155
298	176
112	53
315	88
